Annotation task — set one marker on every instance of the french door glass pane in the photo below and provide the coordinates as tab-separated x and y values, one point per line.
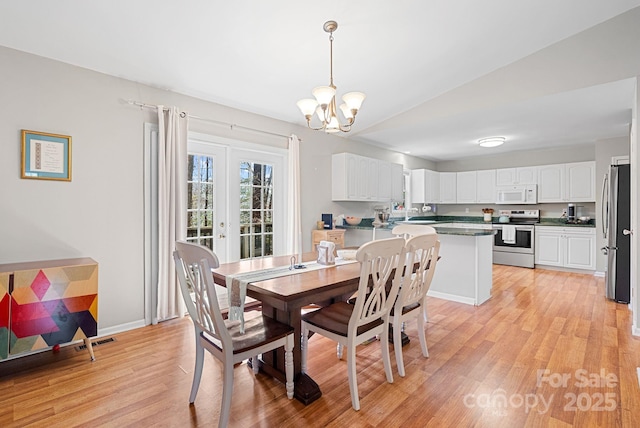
200	202
256	210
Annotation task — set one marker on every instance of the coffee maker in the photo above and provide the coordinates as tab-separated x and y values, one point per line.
571	213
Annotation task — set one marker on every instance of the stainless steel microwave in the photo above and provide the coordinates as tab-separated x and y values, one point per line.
514	195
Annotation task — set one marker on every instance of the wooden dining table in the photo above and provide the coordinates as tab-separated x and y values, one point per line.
283	299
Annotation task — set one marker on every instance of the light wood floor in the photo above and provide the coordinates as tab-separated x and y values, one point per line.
536	320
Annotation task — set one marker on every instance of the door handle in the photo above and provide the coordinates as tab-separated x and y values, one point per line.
627	232
604	207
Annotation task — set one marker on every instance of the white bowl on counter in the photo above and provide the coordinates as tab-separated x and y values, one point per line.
353	221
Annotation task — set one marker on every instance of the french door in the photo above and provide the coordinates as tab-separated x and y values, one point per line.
235	201
207	196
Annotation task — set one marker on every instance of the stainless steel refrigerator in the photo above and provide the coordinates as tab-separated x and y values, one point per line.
616	224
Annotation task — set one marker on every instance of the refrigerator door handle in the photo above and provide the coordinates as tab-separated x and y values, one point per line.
605	206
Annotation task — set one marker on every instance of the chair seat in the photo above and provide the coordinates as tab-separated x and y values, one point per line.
407	309
335	318
257	332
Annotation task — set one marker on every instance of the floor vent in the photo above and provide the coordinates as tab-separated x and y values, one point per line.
96	343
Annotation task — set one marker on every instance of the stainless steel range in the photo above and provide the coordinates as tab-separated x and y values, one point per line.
514	241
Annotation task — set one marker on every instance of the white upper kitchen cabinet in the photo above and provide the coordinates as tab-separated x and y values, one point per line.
511	176
551	183
571	182
349	177
486	186
384	180
425	186
466	187
359	178
397	182
581	181
448	187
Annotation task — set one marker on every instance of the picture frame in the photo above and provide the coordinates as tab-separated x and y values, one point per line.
46	156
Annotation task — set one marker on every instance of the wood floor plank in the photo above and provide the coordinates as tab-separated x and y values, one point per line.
533	340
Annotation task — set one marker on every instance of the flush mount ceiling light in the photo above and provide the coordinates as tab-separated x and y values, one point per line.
491	141
325	103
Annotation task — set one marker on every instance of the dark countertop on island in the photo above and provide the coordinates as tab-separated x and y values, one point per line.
367	224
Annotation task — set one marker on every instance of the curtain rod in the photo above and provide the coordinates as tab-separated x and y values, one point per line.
231	126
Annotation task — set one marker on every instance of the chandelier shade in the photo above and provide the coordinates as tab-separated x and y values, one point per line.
324	104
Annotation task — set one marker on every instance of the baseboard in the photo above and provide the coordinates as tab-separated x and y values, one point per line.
635	331
600	274
121	328
565	269
452	297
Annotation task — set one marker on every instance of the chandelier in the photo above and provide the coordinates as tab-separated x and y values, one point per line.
324	104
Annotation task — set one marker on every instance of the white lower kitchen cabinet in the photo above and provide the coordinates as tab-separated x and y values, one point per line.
569	247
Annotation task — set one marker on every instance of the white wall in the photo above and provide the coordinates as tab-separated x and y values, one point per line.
521	158
99	214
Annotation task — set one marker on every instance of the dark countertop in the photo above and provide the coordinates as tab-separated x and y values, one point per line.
367	224
462	231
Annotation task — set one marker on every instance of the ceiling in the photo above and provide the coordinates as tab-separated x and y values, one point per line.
438	75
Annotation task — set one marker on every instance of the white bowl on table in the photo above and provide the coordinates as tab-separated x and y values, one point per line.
347	253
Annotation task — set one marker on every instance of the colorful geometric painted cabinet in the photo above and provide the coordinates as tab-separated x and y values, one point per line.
47	303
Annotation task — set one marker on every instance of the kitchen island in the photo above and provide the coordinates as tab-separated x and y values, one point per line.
464	273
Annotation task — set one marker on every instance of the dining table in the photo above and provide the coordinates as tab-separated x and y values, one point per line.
283	299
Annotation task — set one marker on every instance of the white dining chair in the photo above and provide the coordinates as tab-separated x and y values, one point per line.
222	338
421	250
409	230
351	325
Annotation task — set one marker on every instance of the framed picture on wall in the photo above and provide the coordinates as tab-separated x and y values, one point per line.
46	156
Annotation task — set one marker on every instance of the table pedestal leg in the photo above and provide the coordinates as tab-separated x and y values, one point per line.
306	390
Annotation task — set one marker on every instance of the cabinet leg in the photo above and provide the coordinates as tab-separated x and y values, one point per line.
87	343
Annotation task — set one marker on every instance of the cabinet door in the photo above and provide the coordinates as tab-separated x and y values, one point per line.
522	175
549	248
397	182
505	176
53	305
448	187
580	182
527	175
418	184
372	179
551	183
466	187
362	174
344	177
580	250
432	186
486	186
351	176
384	181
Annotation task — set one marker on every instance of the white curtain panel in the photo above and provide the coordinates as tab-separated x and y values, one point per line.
172	206
294	229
